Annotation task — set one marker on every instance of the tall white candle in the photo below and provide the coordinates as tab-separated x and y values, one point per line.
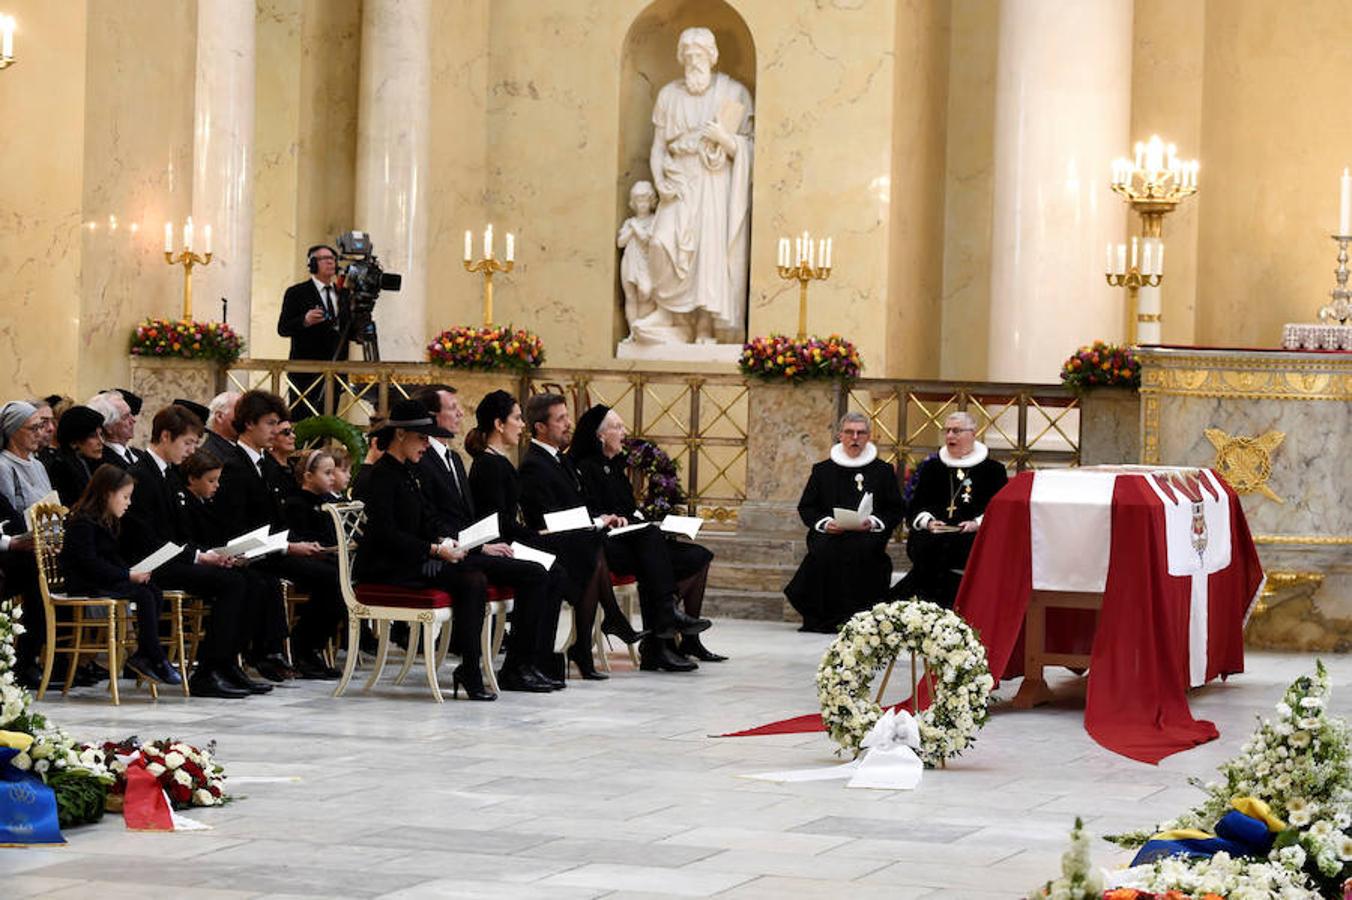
1145	259
1159	259
811	258
511	246
187	234
1345	203
1108	263
827	264
469	245
1121	259
206	236
1140	155
1133	253
7	44
781	252
488	242
168	237
798	251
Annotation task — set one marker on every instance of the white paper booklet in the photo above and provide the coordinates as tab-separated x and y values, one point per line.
575	519
273	543
484	531
530	554
244	543
854	518
686	525
158	558
625	529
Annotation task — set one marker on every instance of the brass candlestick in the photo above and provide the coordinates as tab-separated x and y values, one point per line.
804	273
1133	280
489	266
187	259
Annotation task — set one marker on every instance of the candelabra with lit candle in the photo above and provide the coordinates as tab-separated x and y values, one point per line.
187	258
1153	184
810	263
7	41
489	265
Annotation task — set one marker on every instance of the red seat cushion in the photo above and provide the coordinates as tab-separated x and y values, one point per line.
497	594
621	580
404	597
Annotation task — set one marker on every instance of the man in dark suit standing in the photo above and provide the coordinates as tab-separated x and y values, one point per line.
315	314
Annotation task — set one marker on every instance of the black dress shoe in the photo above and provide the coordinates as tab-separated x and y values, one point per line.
554	684
656	656
210	683
236	676
472	680
141	665
167	673
521	678
582	658
691	645
274	668
309	664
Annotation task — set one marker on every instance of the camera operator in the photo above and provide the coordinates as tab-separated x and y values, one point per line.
315	315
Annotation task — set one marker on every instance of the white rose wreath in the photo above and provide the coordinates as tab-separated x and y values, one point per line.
955	665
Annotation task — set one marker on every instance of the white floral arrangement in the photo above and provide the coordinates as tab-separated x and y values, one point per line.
1079	880
14	699
955	660
1300	765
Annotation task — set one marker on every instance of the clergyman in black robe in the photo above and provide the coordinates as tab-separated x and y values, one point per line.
846	569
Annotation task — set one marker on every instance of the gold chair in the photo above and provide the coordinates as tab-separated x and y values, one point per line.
185	615
104	619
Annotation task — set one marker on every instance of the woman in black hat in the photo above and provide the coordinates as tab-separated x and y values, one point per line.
79	451
493	483
402	541
668	570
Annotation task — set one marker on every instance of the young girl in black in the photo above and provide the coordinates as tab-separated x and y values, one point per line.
93	566
314	472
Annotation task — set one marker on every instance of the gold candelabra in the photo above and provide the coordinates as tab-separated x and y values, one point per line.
187	259
488	266
805	269
1152	184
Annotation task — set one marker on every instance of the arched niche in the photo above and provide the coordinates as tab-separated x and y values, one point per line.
648	61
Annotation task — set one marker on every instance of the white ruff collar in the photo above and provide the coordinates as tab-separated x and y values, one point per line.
978	455
839	458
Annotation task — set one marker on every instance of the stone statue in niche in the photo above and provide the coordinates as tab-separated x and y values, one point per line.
701	234
634	239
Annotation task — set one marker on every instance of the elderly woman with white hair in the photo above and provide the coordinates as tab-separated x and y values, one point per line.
25	428
847	568
951	494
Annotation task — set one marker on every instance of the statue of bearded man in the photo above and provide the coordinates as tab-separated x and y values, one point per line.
701	165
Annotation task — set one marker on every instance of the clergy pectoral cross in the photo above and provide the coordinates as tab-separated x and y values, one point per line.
952	508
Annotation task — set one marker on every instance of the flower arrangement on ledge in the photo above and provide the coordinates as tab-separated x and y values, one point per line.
783	359
488	348
187	339
1102	365
658	476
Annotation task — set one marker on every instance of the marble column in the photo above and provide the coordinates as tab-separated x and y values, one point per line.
1055	138
223	137
392	163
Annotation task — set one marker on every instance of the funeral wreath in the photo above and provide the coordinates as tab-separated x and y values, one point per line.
954	658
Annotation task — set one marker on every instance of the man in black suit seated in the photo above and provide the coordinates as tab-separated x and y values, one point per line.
220	436
152	521
119	425
246	502
531	662
550	483
403	544
315	314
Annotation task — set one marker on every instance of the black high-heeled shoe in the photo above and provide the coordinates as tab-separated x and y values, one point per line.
585	666
473	681
618	626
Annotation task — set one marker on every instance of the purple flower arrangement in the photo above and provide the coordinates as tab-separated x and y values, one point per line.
661	480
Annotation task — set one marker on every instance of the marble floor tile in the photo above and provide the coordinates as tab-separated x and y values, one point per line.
618	790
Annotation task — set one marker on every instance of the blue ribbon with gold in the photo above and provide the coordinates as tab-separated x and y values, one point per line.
27	806
1247	830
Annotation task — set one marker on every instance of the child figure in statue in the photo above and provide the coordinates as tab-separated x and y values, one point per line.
635	234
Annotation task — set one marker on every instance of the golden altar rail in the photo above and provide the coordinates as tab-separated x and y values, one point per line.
702	420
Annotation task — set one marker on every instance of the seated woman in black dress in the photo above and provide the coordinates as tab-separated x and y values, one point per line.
682	567
493	484
94	567
79	452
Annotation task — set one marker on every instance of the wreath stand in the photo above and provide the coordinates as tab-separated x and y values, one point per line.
929	683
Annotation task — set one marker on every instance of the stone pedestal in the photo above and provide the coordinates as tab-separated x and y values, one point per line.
160	382
1110	426
1273	423
789	428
